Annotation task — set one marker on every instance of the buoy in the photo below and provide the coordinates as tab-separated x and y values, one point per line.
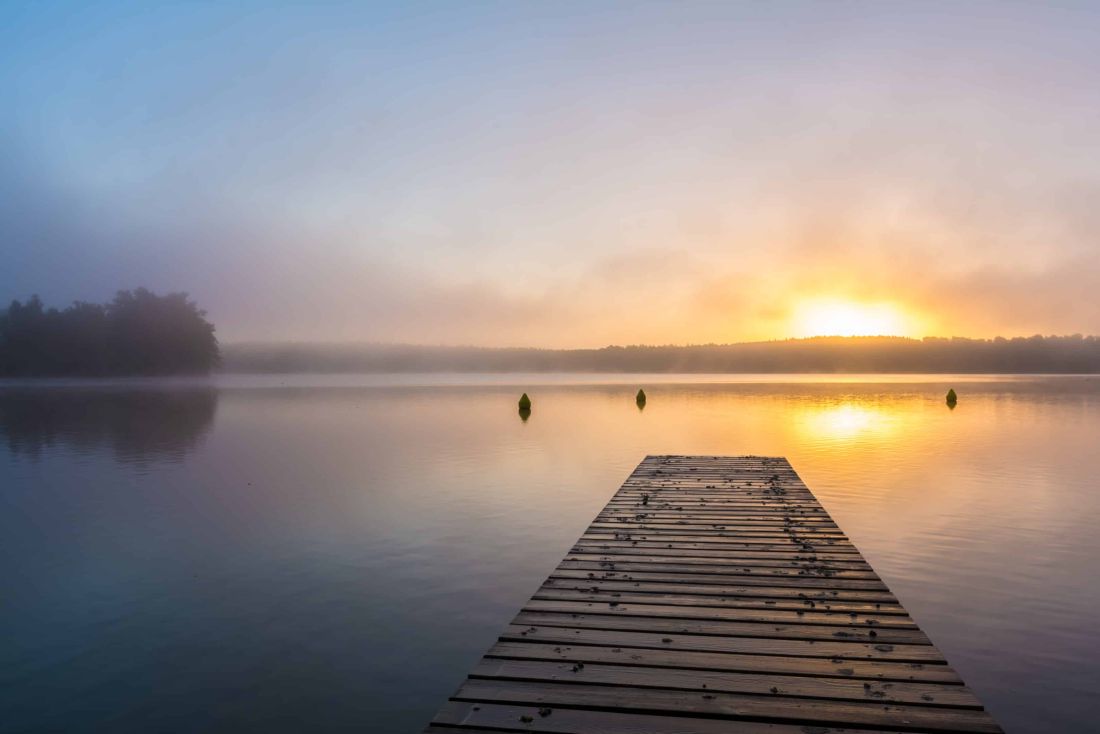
640	398
525	402
952	398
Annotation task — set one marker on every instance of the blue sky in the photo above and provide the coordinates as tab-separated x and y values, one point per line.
557	174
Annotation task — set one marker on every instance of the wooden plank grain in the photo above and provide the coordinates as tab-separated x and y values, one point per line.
469	718
600	593
747	579
659	555
839	649
717	566
736	662
736	588
711	626
760	683
652	608
778	709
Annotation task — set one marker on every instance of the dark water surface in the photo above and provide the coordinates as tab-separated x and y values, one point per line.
288	554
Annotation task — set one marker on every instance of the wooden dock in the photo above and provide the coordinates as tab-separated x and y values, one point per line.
713	594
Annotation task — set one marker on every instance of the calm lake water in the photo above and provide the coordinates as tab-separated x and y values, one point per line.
316	553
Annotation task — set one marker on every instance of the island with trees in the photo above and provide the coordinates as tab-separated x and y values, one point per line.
136	333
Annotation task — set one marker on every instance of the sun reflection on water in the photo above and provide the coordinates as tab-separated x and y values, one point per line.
846	421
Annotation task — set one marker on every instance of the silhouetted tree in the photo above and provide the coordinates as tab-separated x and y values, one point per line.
138	333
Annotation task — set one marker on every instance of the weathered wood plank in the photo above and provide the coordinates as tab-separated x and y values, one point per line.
680	611
841	649
598	593
713	567
798	582
776	519
651	555
735	662
770	630
468	717
725	541
712	527
954	696
781	549
733	590
779	709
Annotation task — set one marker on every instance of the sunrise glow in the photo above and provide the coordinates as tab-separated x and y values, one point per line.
836	317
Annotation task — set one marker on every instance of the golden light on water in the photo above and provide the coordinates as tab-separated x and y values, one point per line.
844	421
838	317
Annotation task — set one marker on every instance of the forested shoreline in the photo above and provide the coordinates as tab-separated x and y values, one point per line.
136	333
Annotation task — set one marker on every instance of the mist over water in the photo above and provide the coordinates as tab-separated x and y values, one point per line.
321	552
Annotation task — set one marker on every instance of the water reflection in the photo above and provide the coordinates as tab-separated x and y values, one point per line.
843	421
136	427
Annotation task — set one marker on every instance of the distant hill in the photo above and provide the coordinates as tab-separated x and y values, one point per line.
1035	354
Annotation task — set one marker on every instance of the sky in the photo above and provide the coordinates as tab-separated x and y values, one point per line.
559	174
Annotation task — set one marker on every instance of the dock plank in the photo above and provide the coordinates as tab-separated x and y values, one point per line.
735	662
713	594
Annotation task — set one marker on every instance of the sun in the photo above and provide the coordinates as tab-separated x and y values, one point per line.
835	317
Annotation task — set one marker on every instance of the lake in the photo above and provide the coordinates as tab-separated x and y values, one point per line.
287	553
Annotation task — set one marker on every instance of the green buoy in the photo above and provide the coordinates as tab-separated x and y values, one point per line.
525	402
952	398
640	398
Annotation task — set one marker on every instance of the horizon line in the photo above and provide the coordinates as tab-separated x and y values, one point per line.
688	345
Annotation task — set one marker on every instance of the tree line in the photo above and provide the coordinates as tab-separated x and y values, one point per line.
1034	354
136	333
